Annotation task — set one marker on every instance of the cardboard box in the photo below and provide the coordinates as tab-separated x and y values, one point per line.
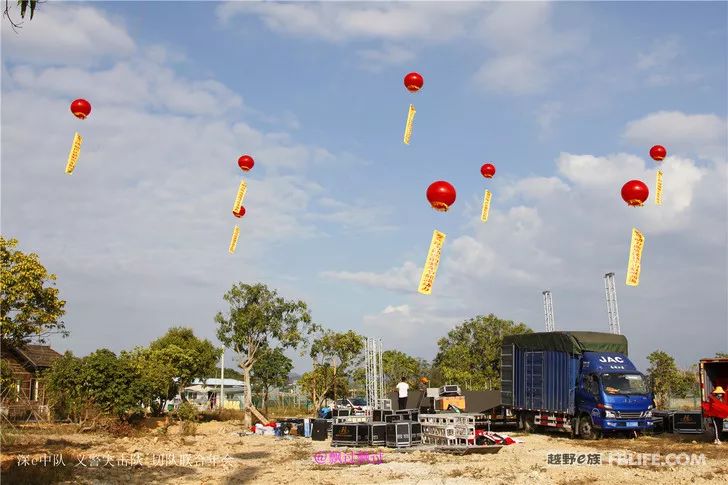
442	403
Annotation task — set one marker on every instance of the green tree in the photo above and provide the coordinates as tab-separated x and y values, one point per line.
317	384
396	364
156	376
228	373
100	380
664	376
65	390
8	389
270	369
29	304
687	382
721	355
358	381
470	354
190	357
256	317
112	383
338	351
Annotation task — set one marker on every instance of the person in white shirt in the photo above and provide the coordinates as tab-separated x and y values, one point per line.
402	389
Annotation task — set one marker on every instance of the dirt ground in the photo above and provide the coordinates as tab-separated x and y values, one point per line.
218	454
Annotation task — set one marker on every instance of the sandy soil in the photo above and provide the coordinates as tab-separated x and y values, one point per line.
218	454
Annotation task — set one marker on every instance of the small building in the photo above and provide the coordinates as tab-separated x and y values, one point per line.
27	364
202	393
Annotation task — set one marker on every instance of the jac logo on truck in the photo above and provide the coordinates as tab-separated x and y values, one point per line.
609	360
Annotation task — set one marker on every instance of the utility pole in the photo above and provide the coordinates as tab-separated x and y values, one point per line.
548	310
612	309
222	379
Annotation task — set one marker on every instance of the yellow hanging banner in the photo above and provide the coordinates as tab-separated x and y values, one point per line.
240	196
234	240
431	264
73	155
658	189
635	257
486	206
410	122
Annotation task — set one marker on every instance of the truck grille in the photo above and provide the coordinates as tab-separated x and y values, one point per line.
634	415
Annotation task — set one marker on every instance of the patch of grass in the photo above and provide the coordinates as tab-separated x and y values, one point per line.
223	415
300	450
458	472
189	428
287	412
578	481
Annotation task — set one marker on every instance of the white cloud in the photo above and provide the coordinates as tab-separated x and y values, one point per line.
339	22
360	216
702	135
534	188
376	59
525	47
65	34
547	115
139	232
573	230
662	54
139	85
403	278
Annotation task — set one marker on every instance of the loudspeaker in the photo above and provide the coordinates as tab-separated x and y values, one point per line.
391	418
350	434
403	434
320	430
687	422
340	413
378	433
408	414
379	414
450	391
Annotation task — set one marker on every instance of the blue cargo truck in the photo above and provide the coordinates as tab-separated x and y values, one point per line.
580	381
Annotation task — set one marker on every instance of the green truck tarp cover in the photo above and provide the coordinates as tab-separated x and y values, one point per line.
571	342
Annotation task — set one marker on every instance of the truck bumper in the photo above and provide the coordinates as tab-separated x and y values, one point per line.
626	424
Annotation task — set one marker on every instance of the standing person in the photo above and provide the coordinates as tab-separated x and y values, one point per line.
403	390
718	394
423	390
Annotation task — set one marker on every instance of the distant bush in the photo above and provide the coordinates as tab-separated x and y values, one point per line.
189	428
187	412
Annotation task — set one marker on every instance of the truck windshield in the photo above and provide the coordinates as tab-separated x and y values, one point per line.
623	384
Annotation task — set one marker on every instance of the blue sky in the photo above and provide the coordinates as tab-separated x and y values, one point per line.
565	99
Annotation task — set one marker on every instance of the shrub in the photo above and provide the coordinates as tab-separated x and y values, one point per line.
187	412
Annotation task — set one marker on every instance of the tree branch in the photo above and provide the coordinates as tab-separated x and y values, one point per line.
6	13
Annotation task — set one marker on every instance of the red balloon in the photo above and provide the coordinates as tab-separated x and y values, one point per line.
441	195
488	170
635	193
413	82
246	162
658	153
81	108
239	213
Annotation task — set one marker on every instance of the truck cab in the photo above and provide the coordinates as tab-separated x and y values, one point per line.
611	395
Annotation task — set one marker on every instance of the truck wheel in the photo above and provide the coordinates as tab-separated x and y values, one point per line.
586	429
529	425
